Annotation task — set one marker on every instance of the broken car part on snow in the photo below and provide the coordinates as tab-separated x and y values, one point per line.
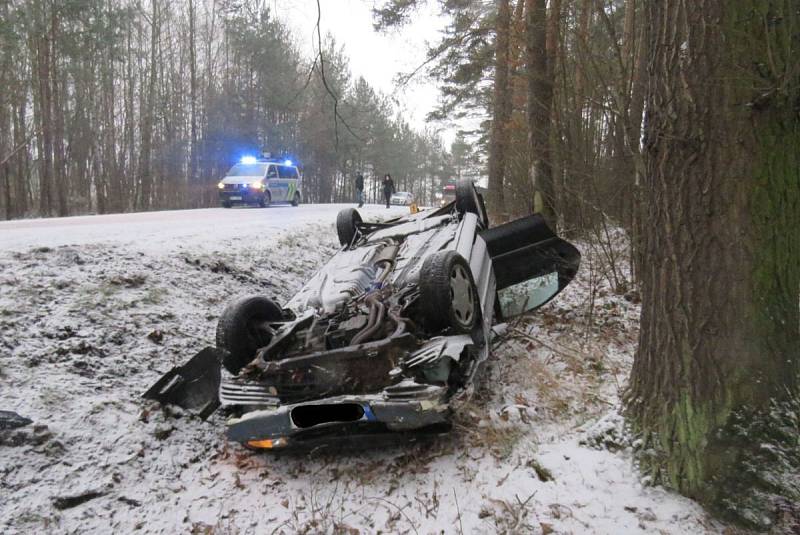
388	337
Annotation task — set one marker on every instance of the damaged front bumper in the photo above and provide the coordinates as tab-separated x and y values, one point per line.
350	417
391	387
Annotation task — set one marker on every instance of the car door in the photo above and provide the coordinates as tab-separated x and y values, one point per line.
531	263
273	184
288	177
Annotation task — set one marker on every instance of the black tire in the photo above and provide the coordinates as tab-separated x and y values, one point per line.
266	200
226	205
447	293
468	200
296	200
237	332
346	222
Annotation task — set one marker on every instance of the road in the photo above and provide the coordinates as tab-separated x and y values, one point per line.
165	230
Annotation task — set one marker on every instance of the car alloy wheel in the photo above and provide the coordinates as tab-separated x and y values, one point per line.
462	296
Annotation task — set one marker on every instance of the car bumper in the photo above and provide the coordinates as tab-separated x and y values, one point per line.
316	422
241	196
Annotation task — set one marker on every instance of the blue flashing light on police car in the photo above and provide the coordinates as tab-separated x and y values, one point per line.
262	181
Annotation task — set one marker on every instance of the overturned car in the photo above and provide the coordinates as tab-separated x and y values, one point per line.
388	337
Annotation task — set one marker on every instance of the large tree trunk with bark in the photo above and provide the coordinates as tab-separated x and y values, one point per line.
719	349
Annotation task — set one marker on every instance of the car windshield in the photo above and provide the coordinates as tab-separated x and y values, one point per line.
248	169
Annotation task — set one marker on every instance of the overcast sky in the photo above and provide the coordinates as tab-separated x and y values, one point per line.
376	56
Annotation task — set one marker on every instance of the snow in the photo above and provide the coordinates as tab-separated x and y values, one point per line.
158	231
93	310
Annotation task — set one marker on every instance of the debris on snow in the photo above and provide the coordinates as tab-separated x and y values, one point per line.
12	420
68	502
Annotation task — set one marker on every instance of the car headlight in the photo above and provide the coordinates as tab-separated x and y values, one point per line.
221	185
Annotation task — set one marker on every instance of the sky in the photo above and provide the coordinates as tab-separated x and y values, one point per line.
378	57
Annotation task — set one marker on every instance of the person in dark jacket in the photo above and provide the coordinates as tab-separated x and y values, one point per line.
360	189
388	188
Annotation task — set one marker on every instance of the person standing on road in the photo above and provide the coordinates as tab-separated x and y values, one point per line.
360	189
388	188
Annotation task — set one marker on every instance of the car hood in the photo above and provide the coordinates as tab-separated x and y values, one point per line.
240	179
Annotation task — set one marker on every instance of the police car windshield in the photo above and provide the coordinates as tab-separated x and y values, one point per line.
248	169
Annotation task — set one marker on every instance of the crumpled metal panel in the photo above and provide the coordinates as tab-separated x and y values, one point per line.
193	386
237	391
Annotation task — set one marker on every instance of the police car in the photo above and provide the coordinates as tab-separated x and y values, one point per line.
261	181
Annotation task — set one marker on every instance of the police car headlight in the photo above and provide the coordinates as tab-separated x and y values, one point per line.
221	185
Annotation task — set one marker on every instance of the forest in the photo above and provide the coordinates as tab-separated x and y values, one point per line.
132	106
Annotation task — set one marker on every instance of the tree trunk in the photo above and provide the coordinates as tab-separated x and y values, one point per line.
635	112
111	193
502	94
61	186
540	98
45	122
193	196
145	156
21	136
719	349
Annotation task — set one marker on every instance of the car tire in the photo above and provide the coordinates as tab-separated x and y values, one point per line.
266	200
237	333
447	294
468	200
296	200
346	225
226	205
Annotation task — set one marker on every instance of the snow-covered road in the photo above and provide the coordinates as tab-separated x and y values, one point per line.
165	230
93	309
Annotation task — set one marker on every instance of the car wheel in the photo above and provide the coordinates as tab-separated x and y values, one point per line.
468	200
346	223
226	205
266	200
241	330
296	200
447	293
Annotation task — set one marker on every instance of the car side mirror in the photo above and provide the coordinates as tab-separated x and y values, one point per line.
527	295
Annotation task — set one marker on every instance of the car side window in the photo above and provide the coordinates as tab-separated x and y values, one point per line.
272	172
287	172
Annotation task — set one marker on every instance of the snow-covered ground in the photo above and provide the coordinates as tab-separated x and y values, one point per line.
93	310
